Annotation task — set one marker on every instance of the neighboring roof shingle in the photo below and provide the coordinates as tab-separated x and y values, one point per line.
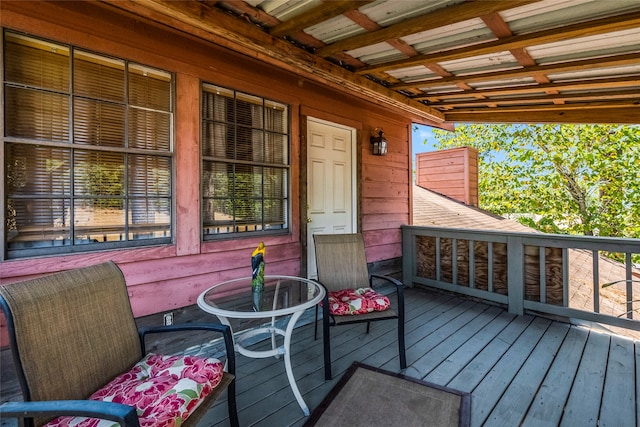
435	210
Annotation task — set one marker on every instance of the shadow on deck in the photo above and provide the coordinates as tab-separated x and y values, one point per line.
520	370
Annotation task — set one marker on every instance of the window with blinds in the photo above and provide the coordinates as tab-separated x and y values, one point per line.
245	163
87	150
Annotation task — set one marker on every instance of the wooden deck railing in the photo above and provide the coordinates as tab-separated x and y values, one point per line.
560	275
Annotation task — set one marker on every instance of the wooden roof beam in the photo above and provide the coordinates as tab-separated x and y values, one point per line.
592	84
599	105
584	64
327	10
590	96
600	26
437	18
227	31
613	115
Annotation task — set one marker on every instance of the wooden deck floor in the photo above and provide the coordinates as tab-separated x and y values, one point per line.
520	370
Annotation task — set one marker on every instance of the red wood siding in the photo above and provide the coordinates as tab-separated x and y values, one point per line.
170	276
452	172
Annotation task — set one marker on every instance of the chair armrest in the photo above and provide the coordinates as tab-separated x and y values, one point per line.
399	290
396	282
215	327
125	415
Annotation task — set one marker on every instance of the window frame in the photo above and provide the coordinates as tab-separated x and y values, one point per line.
238	229
73	148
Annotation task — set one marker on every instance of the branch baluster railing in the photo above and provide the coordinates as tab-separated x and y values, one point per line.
560	275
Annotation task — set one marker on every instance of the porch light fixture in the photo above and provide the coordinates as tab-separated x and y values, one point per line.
379	143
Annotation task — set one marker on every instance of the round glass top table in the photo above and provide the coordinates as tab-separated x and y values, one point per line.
281	296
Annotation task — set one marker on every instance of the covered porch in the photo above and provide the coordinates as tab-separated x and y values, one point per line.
527	358
522	355
520	370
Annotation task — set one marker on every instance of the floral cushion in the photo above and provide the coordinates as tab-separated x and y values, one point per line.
356	301
165	390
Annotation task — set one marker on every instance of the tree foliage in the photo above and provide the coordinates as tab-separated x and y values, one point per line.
571	179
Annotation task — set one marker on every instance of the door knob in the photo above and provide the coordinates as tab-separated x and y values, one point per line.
309	220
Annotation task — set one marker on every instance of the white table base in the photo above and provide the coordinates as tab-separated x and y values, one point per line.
275	350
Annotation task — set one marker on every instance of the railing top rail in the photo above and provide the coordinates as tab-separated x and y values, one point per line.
613	244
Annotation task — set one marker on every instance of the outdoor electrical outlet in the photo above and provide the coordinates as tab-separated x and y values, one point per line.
168	319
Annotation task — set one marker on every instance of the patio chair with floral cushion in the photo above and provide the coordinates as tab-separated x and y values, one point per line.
350	297
80	357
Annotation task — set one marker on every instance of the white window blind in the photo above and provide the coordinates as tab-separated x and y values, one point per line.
245	163
88	150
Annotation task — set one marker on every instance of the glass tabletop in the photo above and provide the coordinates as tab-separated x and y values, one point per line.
281	295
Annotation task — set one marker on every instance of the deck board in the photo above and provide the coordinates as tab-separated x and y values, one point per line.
440	353
524	370
494	384
462	356
582	408
518	396
474	372
637	375
548	404
619	386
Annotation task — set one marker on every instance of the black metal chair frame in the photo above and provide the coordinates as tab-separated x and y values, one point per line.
331	320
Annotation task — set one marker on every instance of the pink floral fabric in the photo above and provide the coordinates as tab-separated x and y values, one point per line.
356	301
165	390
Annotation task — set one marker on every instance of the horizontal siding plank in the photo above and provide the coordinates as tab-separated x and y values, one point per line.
385	189
377	173
382	221
385	206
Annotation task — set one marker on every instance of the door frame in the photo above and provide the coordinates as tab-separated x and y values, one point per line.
304	188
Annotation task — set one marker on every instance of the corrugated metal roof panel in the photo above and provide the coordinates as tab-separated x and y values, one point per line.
285	9
442	89
381	56
505	83
631	70
335	29
467	31
626	41
388	12
383	12
482	63
375	50
419	72
553	13
457	35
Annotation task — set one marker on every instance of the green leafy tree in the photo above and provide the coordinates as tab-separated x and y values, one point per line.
572	179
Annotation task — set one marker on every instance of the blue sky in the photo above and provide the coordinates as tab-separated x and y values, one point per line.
418	137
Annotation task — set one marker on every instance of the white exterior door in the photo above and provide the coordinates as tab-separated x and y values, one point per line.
330	182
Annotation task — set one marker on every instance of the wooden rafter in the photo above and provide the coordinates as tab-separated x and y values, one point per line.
602	26
327	10
593	84
226	30
450	15
586	64
543	70
627	114
531	100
